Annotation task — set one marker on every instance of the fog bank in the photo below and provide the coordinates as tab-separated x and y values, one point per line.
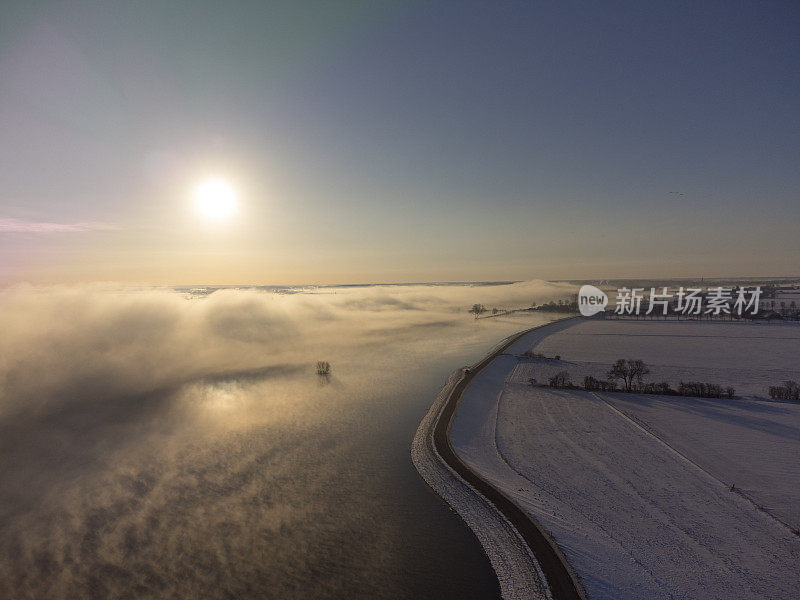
64	342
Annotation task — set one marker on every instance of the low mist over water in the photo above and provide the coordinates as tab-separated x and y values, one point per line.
162	443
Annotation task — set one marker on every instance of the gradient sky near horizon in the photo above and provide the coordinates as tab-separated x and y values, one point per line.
399	141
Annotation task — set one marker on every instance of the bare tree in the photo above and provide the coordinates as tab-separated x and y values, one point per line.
477	309
560	380
629	371
323	367
790	390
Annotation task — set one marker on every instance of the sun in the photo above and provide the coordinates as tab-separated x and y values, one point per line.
215	199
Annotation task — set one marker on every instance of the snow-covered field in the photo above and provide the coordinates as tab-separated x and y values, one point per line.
635	489
753	445
748	356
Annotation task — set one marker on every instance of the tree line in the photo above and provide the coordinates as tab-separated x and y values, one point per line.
627	375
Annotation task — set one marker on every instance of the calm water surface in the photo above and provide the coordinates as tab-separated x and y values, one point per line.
269	484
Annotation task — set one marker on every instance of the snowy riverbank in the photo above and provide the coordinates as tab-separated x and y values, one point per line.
640	509
517	571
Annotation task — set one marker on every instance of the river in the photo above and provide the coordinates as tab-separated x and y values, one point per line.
269	483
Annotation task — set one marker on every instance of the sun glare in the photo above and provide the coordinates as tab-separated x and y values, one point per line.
215	199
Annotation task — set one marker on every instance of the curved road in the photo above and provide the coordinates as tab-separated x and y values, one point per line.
560	579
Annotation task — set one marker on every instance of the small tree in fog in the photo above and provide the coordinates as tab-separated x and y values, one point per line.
477	309
323	367
629	371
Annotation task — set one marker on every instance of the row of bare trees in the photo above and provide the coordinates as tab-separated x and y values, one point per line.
628	371
627	375
790	390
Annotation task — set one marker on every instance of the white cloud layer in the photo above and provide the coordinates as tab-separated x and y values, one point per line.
10	225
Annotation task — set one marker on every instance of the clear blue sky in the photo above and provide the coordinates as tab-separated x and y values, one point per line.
384	141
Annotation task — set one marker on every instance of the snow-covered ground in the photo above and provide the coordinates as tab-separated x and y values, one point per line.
750	444
635	489
748	356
